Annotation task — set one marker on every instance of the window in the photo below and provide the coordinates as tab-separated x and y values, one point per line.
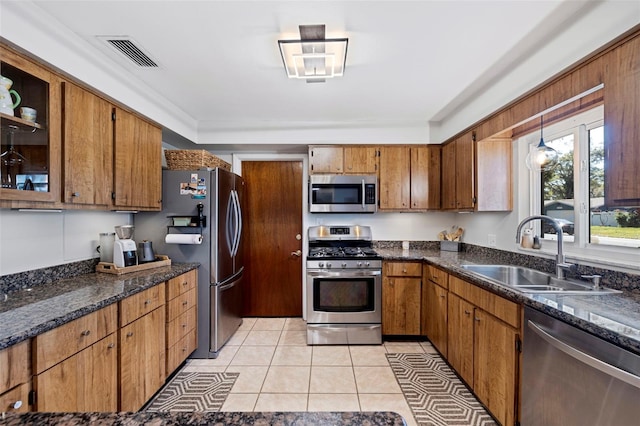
574	193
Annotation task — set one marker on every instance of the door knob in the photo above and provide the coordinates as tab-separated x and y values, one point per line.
296	253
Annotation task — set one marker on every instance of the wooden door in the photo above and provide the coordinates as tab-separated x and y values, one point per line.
493	173
425	177
460	337
138	164
495	366
273	246
360	160
325	159
448	183
395	179
401	306
465	173
142	359
621	129
87	147
100	381
434	315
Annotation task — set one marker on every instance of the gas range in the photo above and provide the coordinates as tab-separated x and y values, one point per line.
341	247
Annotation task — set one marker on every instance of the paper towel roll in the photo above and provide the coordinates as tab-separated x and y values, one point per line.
183	239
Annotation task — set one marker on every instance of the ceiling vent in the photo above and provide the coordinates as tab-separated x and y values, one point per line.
127	47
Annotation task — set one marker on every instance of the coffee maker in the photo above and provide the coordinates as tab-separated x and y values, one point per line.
124	248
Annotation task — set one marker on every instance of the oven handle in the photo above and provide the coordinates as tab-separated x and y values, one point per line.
341	273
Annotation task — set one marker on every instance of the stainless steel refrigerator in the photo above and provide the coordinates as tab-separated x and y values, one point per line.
207	203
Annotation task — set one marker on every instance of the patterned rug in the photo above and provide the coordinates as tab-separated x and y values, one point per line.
194	392
434	393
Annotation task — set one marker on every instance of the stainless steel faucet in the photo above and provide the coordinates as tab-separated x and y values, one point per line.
561	264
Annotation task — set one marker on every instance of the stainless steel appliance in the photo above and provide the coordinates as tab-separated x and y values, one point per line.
344	286
343	194
570	377
206	203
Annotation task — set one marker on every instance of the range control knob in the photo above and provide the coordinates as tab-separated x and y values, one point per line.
321	264
328	264
359	264
367	264
344	265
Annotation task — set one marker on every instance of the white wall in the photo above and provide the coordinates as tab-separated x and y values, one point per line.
31	239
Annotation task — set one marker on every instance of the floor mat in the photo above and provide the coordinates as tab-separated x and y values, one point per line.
434	393
194	392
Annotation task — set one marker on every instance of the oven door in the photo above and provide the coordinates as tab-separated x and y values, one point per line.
344	297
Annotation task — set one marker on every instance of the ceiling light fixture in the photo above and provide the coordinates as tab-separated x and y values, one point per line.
542	157
313	57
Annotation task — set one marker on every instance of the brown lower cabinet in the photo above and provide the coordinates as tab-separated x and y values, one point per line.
482	340
15	377
401	290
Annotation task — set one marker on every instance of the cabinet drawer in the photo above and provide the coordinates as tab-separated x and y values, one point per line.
181	284
18	396
497	306
438	276
15	366
60	343
180	326
403	269
181	304
177	353
133	307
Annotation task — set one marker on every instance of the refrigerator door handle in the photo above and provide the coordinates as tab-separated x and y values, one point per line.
238	212
230	232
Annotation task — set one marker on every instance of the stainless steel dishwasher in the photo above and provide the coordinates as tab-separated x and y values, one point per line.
570	377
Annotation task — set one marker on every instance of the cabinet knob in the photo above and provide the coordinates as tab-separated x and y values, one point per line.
146	302
85	333
75	194
477	319
442	295
185	303
185	283
16	405
404	271
467	312
184	349
111	346
129	334
184	325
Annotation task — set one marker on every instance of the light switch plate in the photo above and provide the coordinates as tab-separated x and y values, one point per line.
492	240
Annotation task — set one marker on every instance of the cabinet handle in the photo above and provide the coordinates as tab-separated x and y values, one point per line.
442	295
75	194
111	346
129	334
184	349
185	303
146	302
185	283
85	333
435	279
477	319
404	271
184	325
467	312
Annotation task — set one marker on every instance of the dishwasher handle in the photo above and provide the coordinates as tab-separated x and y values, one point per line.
602	366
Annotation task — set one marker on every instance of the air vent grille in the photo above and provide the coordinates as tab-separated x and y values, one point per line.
128	48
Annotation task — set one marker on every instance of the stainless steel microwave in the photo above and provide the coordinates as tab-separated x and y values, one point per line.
343	194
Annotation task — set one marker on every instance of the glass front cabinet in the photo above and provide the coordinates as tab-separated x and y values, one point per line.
30	130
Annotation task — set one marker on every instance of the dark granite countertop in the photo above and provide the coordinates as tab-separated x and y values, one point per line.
612	317
200	418
33	310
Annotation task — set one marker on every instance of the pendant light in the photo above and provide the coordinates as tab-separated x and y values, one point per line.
542	157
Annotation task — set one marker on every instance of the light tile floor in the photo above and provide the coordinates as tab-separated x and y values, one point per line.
279	372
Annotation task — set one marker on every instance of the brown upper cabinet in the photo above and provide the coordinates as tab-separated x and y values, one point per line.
348	159
622	124
87	147
138	164
30	151
458	173
409	177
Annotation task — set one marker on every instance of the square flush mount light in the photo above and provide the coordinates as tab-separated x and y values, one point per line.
313	57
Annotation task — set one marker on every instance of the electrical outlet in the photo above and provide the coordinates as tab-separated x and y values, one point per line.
492	240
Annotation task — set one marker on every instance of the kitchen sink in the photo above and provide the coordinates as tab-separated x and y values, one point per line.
528	280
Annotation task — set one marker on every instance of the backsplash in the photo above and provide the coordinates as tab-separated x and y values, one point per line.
30	279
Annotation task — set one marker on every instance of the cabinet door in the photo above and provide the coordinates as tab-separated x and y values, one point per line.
30	150
448	183
326	159
494	160
465	172
425	177
621	129
15	365
142	359
401	306
395	178
87	147
434	315
360	160
138	164
460	337
15	400
495	366
86	381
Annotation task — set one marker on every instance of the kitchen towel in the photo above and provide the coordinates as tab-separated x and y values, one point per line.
183	239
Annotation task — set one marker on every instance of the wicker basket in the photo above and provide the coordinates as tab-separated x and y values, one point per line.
193	159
